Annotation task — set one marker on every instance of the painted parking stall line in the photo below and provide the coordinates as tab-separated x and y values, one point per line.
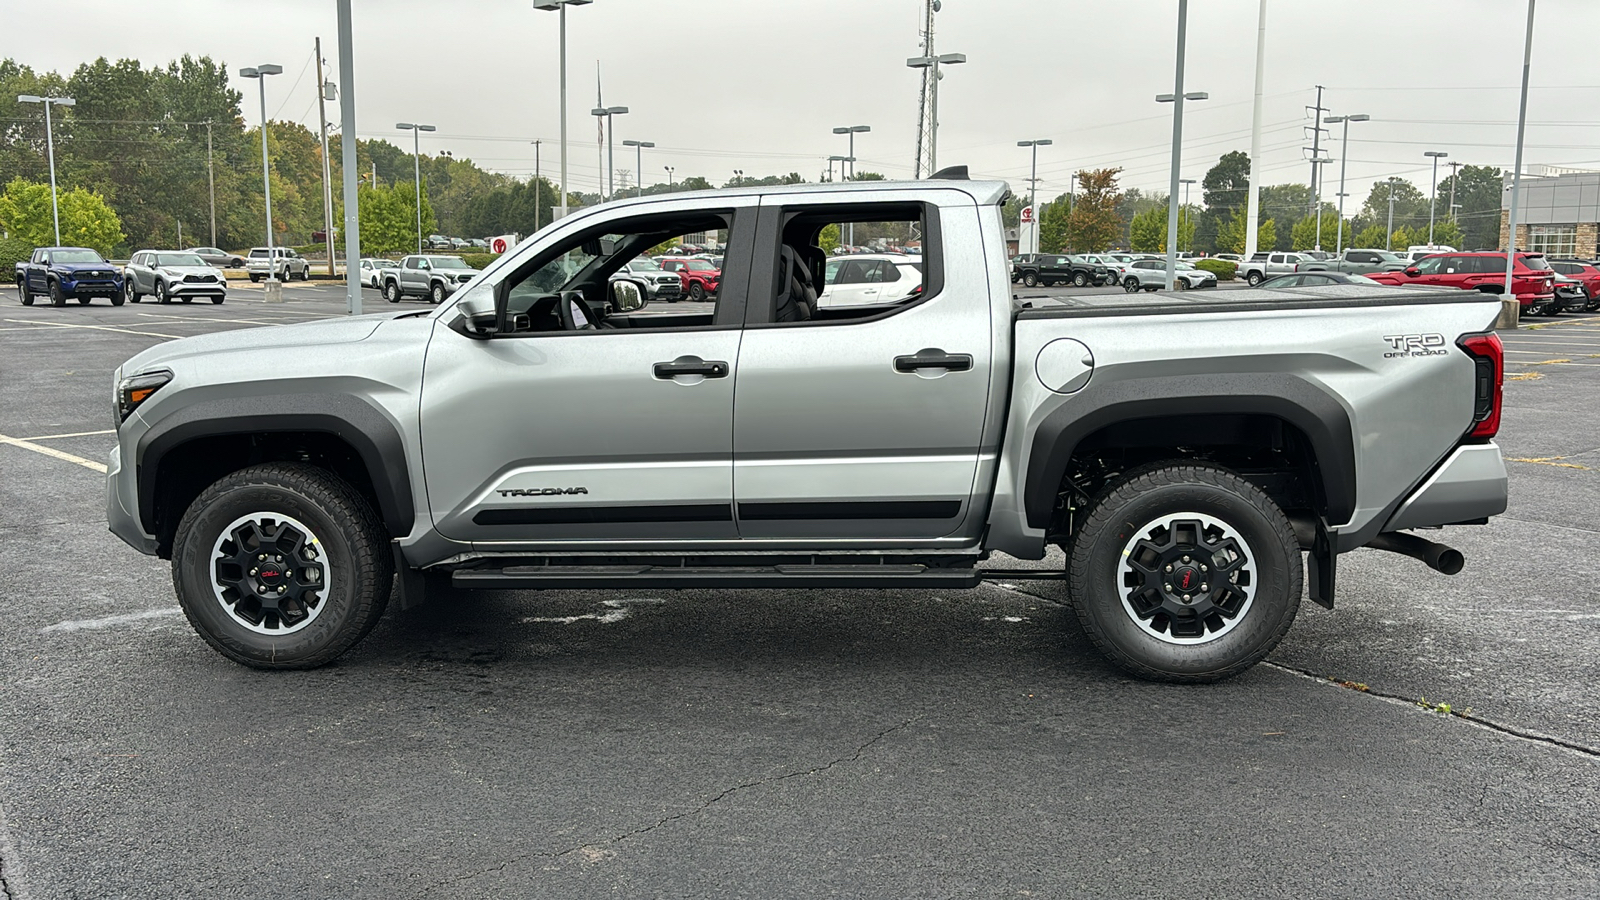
53	452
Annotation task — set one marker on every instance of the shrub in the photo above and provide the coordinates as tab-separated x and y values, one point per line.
1222	268
480	260
12	251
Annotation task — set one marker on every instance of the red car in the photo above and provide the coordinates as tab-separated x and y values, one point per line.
1533	281
700	276
1585	273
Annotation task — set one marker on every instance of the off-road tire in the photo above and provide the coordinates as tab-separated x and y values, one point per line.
391	291
355	553
25	295
1254	278
57	296
1143	496
1030	280
697	292
436	293
116	299
1080	279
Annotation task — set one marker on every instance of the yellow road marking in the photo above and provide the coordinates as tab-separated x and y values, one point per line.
1546	461
51	437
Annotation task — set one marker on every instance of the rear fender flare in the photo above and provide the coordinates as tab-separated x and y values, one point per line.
1307	406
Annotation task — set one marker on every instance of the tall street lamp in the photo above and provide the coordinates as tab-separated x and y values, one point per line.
416	165
1516	172
50	147
852	131
561	7
670	170
1344	156
1033	183
738	177
1433	193
273	292
1176	98
934	62
606	112
836	159
1388	237
638	163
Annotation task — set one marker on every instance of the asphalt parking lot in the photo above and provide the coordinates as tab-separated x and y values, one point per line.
800	744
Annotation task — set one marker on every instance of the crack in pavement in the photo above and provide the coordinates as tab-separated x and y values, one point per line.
593	847
10	863
1523	734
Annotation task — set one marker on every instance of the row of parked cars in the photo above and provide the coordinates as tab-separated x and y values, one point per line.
82	274
1133	271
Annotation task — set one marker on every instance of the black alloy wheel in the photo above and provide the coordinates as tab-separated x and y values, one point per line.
697	292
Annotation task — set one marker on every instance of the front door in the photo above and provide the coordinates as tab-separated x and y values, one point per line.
584	439
865	424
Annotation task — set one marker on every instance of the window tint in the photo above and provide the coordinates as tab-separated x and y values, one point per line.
1432	265
852	273
1535	263
1361	257
1309	280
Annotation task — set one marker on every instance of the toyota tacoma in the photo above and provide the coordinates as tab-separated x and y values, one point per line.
546	427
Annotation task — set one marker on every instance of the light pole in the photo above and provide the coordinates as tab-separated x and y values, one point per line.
560	6
50	147
852	131
638	163
347	152
416	165
607	112
536	185
1176	98
273	292
1433	193
836	159
924	62
1252	219
1033	183
1388	237
670	170
738	177
1344	156
1516	173
1186	216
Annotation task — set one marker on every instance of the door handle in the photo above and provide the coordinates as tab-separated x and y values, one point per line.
933	359
691	365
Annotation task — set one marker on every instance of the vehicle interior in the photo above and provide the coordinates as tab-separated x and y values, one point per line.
802	270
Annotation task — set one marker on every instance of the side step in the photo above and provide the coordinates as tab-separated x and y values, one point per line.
534	578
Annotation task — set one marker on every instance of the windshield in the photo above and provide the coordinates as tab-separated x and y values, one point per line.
1362	279
178	259
449	262
76	256
644	265
699	265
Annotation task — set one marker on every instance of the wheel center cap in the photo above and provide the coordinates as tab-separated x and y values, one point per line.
272	575
1185	580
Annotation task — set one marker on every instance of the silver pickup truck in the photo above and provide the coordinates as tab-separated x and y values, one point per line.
1262	266
548	428
434	277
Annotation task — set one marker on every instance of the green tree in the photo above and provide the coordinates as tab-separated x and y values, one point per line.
1147	233
1304	234
1093	224
1054	224
1478	192
1284	203
1370	236
86	219
1232	230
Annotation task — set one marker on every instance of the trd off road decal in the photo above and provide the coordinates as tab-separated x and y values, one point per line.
1406	345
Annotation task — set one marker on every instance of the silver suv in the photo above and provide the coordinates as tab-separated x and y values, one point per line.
287	264
170	275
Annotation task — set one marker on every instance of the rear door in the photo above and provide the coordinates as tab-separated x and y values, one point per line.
859	426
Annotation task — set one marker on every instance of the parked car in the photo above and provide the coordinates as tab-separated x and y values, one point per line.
1151	275
372	269
1033	269
434	276
1234	258
63	273
1262	266
285	265
656	282
1533	281
864	279
509	444
1314	279
1418	251
1585	272
169	275
1359	262
460	244
438	242
699	277
479	243
1570	295
221	259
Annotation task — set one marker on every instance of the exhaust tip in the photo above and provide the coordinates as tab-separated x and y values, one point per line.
1450	561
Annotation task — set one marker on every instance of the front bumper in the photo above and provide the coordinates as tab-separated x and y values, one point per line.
97	287
121	499
196	289
1471	484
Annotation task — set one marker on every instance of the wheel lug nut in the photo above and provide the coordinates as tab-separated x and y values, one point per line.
1186	598
1203	568
1186	559
1204	587
262	557
1169	567
1167	587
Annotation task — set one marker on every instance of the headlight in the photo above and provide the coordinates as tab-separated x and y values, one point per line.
133	392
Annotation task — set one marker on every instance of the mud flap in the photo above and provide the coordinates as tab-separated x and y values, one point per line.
1322	562
410	587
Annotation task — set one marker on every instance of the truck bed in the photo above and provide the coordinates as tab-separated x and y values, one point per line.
1246	300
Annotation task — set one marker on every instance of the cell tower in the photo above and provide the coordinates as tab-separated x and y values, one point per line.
925	99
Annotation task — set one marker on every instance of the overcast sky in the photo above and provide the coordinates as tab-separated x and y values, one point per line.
758	85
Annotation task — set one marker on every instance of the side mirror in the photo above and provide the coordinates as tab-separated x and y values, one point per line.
626	297
477	309
1412	271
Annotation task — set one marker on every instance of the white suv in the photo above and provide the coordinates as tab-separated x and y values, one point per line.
863	279
288	265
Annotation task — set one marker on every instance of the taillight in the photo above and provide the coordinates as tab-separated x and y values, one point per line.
1488	358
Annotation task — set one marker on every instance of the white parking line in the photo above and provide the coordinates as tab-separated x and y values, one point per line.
112	621
51	437
51	451
99	328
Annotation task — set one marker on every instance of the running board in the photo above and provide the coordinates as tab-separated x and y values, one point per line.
534	578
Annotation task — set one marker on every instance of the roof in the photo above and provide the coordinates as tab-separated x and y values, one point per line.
982	192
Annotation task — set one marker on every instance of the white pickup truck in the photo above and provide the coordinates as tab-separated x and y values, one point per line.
1262	266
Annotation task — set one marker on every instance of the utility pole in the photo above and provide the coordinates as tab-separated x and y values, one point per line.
327	185
923	114
1388	237
1453	166
211	181
347	151
536	186
1316	165
1252	220
1516	173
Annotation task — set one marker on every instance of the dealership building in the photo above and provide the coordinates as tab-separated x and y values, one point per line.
1558	211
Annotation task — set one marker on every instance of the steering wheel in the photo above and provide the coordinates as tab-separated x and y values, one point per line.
574	313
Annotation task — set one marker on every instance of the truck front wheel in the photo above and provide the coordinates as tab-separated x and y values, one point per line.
281	566
1184	572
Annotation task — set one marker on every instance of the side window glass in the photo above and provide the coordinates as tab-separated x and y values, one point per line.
831	275
887	272
790	273
850	272
1430	265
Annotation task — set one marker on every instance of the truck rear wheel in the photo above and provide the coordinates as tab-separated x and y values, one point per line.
1184	572
281	566
1254	278
24	294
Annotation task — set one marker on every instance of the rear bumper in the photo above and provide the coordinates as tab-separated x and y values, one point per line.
1471	484
1528	300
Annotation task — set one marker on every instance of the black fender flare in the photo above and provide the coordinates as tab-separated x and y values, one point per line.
374	436
1308	407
